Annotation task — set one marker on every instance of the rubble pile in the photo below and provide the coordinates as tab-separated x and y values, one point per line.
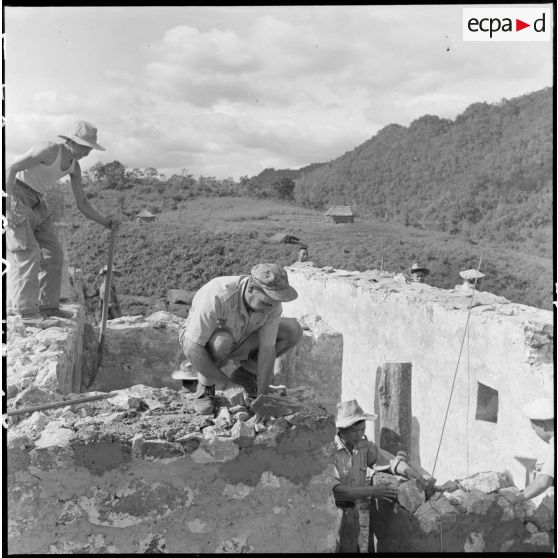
99	476
44	364
467	515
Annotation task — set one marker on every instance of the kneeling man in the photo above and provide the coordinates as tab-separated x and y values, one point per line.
238	318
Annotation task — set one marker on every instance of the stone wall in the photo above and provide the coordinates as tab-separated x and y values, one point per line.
468	515
509	347
140	472
48	361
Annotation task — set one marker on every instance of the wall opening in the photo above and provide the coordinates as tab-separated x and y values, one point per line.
487	403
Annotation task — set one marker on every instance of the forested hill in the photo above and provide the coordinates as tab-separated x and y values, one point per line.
485	176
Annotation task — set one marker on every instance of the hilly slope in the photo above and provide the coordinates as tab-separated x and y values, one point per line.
207	237
486	176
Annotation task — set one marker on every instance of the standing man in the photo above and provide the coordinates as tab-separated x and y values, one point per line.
354	454
541	415
238	318
113	310
34	251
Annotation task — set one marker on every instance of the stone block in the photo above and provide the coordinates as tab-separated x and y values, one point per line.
242	416
531	528
509	510
544	517
237	491
432	513
47	375
244	433
35	395
124	401
223	418
160	449
222	449
449	486
275	406
18	441
410	496
478	502
55	434
486	482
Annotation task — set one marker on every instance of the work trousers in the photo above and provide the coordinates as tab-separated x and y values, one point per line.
34	254
347	538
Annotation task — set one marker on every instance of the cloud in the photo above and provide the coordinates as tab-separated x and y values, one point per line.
228	91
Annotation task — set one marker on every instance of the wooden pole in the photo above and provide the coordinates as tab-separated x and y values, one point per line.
393	434
57	404
394	410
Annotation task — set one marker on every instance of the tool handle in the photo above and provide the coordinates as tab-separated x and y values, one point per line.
67	403
108	282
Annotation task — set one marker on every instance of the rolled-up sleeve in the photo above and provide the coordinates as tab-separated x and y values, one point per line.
203	320
268	332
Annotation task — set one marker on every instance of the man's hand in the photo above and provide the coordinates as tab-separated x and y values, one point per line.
384	491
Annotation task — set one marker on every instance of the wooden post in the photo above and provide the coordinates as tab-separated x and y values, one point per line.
393	381
393	434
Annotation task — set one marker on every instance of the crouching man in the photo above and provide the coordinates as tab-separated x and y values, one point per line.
238	318
353	455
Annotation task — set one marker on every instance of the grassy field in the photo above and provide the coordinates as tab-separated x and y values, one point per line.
208	237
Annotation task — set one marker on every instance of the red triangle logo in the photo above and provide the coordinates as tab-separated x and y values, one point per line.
519	25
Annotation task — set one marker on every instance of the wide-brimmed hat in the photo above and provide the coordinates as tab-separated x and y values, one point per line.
471	274
416	267
85	133
540	409
186	372
349	413
273	281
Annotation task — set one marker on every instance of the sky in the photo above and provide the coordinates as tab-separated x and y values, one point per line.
231	91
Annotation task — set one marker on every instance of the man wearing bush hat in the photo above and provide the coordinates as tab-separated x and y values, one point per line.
238	318
541	414
32	244
354	454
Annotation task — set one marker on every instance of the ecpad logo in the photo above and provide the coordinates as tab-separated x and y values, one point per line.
507	24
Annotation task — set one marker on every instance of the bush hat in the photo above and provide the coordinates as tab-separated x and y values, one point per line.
416	268
85	133
186	372
273	281
349	413
471	274
540	409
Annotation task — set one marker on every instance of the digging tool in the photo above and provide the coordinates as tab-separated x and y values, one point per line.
67	403
105	308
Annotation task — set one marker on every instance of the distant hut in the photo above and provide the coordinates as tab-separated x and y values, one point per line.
144	216
340	214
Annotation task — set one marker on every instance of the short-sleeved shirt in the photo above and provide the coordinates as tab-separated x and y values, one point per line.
350	468
547	466
219	304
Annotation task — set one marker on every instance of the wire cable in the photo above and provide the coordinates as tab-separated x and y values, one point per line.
456	369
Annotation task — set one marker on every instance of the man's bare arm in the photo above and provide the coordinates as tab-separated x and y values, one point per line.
266	363
83	204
